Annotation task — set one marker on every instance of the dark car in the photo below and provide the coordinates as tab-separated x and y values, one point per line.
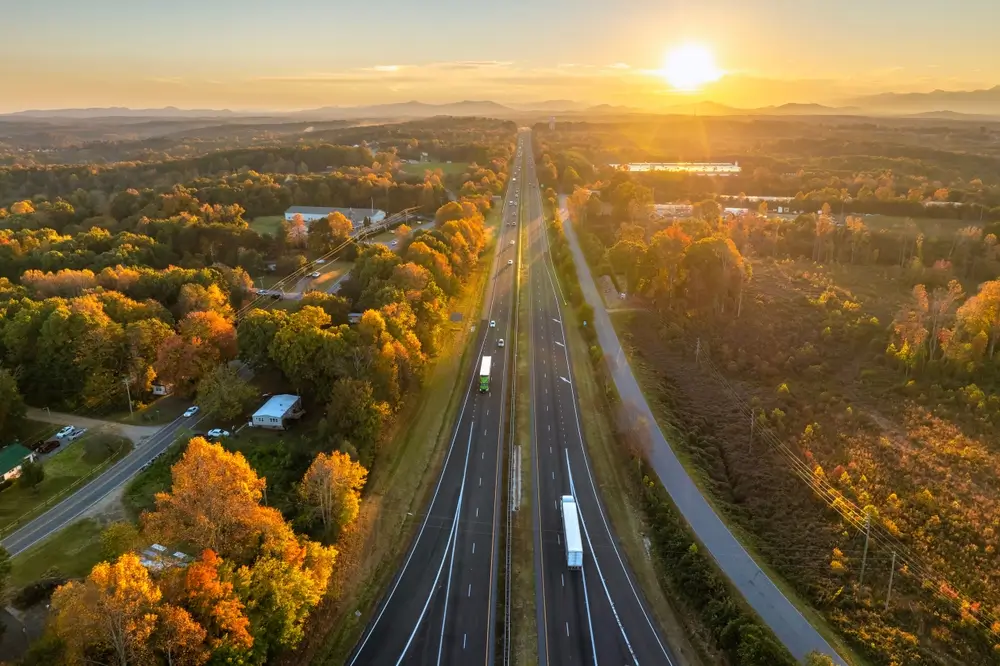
47	445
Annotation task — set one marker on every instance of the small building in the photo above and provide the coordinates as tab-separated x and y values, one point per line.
672	210
11	459
277	411
354	317
162	389
357	216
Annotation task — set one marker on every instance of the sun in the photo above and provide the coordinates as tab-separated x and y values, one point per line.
689	67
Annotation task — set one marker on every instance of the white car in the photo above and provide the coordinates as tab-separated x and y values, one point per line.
190	411
314	274
65	431
392	244
500	342
512	242
493	324
76	434
510	262
218	432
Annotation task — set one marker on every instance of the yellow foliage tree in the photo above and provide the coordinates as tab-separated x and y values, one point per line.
179	638
215	503
113	610
332	488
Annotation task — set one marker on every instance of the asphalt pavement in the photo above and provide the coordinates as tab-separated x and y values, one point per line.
596	615
788	624
441	606
73	506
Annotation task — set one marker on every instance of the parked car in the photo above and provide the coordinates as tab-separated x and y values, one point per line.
48	445
65	431
216	433
190	411
76	434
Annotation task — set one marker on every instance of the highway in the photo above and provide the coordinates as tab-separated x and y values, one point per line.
784	619
72	507
441	606
596	615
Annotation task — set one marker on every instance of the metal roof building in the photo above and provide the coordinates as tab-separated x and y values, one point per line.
355	215
275	413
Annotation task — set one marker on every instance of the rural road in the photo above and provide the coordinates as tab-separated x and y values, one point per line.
136	433
73	506
788	624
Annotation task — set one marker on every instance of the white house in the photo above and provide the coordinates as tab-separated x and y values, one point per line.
277	411
355	215
11	459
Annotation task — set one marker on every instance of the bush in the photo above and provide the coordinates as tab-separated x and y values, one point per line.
40	590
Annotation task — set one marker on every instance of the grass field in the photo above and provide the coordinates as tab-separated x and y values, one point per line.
31	431
453	169
400	485
267	224
61	470
73	552
929	226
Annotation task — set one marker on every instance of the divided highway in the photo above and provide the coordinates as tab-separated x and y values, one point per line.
596	615
441	606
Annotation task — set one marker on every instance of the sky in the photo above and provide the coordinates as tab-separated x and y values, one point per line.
300	54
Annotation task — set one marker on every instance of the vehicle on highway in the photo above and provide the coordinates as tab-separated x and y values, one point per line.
217	433
500	342
571	531
65	431
314	274
512	242
493	324
510	262
190	411
484	374
320	261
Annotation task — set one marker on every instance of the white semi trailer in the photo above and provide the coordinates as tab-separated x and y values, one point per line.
571	532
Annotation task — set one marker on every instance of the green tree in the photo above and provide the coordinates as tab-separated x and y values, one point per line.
118	538
12	408
256	333
224	394
353	414
32	473
329	233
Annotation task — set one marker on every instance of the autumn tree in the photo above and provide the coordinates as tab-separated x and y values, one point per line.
715	272
178	638
665	254
118	538
214	603
199	298
112	613
256	333
214	502
224	394
12	409
402	232
980	316
329	233
331	488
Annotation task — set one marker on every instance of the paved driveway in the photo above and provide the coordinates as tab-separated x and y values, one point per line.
136	433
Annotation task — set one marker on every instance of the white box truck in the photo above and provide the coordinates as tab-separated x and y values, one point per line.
571	532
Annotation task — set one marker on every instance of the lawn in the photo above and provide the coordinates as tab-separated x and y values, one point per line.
31	431
62	470
158	412
452	169
267	224
328	274
72	551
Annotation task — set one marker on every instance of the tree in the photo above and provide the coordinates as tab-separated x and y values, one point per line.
179	639
818	659
402	232
112	612
195	297
256	333
224	394
450	211
353	414
981	315
12	409
570	179
715	271
329	233
332	488
216	605
708	210
32	473
214	502
118	538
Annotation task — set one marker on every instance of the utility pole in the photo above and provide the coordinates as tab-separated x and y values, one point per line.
697	350
891	572
129	394
864	558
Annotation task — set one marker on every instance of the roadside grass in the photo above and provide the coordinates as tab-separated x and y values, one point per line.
31	431
73	551
524	628
399	487
453	169
158	412
649	382
139	492
66	467
267	224
610	463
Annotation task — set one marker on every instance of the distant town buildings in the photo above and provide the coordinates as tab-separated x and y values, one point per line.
697	168
355	215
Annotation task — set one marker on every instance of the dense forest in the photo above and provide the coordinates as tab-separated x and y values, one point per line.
834	387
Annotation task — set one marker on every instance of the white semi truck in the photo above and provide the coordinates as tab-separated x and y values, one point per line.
571	532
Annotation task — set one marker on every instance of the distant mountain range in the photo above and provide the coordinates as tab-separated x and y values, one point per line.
939	104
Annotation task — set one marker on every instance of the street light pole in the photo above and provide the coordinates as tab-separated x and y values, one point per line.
129	394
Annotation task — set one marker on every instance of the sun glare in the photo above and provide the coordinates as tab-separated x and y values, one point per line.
689	67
